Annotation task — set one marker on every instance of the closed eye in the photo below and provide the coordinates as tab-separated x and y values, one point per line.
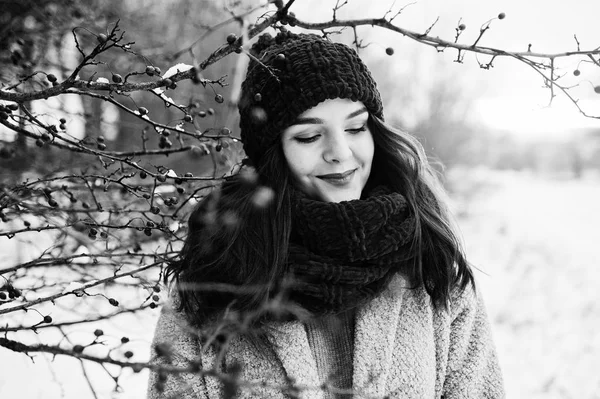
306	140
311	139
357	130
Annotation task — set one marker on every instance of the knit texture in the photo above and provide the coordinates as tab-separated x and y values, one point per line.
291	73
331	340
403	348
343	254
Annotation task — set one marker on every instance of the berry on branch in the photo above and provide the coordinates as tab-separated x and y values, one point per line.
231	38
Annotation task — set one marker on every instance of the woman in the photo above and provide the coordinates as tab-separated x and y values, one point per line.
332	270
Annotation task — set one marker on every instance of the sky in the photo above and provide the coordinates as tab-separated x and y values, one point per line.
510	96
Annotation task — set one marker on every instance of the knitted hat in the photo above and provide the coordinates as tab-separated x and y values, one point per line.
292	73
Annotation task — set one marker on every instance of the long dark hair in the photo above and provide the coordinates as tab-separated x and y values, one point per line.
440	264
234	257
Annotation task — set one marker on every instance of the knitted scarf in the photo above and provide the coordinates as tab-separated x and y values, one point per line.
343	254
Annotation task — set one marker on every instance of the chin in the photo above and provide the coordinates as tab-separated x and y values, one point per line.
339	197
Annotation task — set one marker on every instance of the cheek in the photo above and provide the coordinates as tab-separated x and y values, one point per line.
366	149
298	161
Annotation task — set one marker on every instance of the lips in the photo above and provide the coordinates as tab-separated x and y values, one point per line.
338	178
337	175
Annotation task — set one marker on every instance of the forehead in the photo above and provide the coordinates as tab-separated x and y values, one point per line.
330	111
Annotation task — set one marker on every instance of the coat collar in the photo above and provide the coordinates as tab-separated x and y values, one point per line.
374	334
290	344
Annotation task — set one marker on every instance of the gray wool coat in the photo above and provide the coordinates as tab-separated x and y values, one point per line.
403	348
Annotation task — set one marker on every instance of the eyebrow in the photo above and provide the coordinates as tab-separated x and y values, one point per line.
319	121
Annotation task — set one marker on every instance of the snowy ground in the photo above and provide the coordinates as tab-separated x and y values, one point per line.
535	241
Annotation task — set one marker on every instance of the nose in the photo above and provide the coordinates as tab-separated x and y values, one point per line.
338	148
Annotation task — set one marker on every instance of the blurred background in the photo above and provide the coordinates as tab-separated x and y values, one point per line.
523	177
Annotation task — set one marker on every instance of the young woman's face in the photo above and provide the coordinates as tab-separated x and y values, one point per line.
329	150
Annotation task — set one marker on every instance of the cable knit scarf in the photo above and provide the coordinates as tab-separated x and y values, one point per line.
343	254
